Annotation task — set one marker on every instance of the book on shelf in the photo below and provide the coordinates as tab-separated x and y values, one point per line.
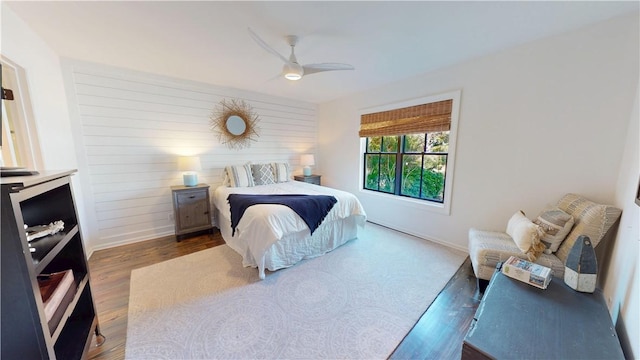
57	291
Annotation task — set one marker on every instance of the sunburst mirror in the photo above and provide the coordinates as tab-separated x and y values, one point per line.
235	122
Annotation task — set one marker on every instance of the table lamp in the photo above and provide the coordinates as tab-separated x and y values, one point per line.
307	161
189	165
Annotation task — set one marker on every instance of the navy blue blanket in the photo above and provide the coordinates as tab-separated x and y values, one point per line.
311	208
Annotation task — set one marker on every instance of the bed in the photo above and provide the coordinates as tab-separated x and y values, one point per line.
270	236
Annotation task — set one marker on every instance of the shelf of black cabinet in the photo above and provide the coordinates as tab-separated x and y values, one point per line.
71	308
48	246
69	344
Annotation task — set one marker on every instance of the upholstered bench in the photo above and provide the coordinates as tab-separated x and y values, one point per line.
488	248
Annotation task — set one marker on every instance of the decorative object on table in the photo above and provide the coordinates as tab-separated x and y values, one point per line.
39	231
189	165
307	160
581	268
235	122
527	272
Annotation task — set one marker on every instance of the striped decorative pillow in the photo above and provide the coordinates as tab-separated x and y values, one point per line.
556	225
281	172
262	174
591	219
240	176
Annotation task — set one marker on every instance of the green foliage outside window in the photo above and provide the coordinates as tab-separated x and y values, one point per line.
422	170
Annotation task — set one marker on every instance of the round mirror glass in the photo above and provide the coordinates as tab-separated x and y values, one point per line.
236	125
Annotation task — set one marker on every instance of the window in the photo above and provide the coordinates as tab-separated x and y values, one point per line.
422	160
407	151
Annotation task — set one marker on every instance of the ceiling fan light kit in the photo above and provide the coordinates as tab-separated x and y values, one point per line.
292	70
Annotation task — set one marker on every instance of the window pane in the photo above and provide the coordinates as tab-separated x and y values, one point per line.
373	144
387	173
414	143
411	168
438	142
371	172
390	144
433	177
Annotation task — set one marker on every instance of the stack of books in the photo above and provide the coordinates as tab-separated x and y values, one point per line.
57	291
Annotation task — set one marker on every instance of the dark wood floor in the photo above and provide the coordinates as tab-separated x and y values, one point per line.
437	335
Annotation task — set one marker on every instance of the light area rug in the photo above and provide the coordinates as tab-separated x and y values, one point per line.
356	302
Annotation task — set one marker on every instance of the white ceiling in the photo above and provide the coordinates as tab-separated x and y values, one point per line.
208	41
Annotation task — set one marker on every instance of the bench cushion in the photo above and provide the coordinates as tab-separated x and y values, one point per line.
488	248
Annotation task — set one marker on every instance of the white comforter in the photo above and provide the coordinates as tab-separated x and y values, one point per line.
263	225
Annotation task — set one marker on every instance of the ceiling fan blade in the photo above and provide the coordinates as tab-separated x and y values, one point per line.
315	68
265	46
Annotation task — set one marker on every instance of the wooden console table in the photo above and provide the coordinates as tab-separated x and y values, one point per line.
518	321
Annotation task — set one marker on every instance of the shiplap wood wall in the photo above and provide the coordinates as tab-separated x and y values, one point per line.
131	129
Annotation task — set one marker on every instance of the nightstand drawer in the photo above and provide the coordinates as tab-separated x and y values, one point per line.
311	179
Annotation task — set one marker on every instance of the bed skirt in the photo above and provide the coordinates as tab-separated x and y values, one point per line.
294	247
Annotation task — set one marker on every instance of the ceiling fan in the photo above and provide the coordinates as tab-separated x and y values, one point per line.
292	70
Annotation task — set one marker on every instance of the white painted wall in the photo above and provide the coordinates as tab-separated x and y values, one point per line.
623	277
131	127
536	121
25	48
42	66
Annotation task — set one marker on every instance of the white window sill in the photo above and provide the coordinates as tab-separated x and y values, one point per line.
423	205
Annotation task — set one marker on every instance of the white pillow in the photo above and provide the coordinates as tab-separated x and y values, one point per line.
280	172
526	235
240	175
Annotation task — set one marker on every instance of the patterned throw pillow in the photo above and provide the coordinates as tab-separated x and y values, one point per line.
556	225
240	175
281	172
262	174
526	235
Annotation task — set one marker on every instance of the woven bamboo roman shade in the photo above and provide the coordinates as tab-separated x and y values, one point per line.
435	116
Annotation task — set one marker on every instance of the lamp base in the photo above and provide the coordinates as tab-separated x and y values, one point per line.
190	179
306	171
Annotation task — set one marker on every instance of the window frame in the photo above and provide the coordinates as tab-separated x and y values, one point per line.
23	120
445	206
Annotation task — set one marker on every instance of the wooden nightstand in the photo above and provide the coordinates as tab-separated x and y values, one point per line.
311	179
191	209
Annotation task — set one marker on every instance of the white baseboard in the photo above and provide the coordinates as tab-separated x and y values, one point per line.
421	236
131	237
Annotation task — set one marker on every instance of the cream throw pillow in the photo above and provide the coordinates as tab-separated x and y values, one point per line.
526	235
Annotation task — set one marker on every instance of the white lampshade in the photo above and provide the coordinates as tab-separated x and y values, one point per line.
189	164
307	160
